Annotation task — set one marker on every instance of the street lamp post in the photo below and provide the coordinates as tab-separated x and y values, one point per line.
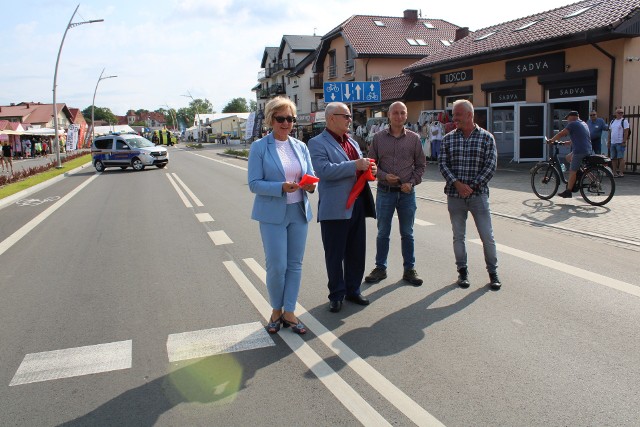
197	112
93	104
56	140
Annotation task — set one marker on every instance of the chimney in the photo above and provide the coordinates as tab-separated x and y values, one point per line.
411	14
461	33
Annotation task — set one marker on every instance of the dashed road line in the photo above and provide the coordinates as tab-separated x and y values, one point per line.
210	342
569	269
73	362
375	379
219	237
204	217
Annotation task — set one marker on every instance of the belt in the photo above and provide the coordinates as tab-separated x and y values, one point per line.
389	189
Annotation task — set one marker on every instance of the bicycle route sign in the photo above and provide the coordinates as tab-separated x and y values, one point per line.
352	92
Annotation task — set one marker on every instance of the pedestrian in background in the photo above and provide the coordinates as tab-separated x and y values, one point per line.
338	161
617	143
7	156
596	126
467	162
276	164
401	163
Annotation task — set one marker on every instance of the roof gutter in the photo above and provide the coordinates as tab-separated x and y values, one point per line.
612	76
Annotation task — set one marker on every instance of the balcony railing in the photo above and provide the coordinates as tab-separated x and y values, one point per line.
263	93
276	89
316	82
268	71
333	72
349	66
288	64
318	106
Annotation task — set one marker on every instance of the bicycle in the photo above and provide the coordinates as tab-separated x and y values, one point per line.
594	178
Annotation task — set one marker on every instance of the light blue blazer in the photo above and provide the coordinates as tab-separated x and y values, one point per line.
337	175
266	175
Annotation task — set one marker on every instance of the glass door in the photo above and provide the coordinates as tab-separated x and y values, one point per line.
503	129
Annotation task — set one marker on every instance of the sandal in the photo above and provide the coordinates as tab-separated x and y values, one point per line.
274	326
298	328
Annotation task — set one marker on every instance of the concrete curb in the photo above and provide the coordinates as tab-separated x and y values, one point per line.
26	192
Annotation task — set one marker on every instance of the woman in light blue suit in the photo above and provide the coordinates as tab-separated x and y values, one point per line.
277	162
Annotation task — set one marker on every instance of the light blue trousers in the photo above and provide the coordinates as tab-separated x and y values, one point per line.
284	246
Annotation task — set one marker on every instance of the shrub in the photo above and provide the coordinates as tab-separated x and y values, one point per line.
30	171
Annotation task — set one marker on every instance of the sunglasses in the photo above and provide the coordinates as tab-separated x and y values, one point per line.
289	119
346	116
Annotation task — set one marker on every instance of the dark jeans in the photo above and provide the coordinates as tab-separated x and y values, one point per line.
345	242
596	144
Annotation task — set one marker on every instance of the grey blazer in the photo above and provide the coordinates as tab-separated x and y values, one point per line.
337	177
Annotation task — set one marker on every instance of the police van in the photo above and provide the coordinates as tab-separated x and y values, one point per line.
124	150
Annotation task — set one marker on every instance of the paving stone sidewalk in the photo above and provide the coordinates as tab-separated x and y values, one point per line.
511	196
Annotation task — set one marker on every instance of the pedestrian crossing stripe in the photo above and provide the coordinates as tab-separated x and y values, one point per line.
210	342
73	362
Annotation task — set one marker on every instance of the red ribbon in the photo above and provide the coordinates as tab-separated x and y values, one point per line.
308	179
359	185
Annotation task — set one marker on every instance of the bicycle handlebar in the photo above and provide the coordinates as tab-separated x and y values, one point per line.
548	141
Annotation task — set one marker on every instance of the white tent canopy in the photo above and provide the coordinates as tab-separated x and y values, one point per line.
104	130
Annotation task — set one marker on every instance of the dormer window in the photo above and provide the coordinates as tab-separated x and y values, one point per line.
412	42
486	36
421	42
579	11
527	25
429	25
379	23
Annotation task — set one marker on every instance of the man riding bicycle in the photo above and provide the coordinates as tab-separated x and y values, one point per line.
578	132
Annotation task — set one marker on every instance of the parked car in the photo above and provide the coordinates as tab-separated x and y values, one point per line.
124	150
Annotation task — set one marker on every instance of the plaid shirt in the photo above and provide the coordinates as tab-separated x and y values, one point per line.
472	161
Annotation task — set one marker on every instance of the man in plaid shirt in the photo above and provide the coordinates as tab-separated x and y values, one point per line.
467	161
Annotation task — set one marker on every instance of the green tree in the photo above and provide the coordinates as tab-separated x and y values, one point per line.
236	105
253	105
100	113
196	106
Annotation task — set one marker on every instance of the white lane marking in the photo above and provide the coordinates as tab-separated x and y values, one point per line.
204	217
219	238
351	400
188	190
209	342
219	161
375	379
25	229
566	268
73	362
423	223
186	201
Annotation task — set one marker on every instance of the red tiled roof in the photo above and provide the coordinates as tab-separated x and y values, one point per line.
552	25
394	88
366	38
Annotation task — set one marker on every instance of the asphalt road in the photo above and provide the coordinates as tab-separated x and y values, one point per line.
123	303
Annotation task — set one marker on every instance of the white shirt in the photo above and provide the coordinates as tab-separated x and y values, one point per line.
617	133
292	168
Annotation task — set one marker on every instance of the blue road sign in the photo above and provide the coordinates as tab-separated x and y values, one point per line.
352	92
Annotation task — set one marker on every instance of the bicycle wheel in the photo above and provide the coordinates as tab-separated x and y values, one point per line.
597	185
545	181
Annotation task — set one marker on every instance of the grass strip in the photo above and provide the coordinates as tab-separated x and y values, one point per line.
16	187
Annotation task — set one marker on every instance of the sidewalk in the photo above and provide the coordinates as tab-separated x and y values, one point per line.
21	164
511	196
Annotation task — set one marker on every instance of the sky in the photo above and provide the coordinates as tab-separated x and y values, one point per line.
162	50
